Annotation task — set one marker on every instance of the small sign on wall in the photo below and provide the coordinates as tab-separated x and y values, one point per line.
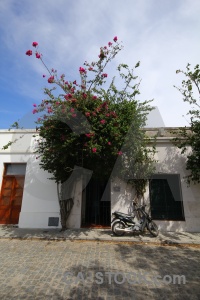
116	188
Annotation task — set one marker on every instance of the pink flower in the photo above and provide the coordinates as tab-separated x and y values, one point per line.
115	39
90	68
104	75
107	115
105	104
34	111
34	44
119	152
113	114
51	79
88	135
94	150
37	55
109	143
94	97
82	70
109	44
103	121
29	52
39	119
94	114
72	110
74	115
84	95
87	114
50	110
34	105
74	82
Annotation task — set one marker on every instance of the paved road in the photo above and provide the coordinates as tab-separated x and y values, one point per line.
97	270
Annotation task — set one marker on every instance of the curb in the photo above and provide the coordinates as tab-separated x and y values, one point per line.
163	243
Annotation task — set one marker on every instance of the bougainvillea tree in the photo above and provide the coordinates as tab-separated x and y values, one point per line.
81	123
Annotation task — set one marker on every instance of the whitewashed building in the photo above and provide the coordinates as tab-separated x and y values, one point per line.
28	198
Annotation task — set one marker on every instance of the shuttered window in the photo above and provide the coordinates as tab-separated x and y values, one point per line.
166	197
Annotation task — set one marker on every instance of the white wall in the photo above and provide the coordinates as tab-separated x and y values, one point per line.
40	194
122	195
40	200
169	160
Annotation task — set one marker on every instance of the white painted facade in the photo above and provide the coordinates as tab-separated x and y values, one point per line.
169	161
40	200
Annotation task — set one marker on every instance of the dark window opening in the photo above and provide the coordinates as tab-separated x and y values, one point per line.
166	197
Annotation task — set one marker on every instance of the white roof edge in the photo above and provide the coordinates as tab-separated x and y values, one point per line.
18	131
35	131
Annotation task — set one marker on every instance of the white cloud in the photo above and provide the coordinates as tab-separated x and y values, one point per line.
163	34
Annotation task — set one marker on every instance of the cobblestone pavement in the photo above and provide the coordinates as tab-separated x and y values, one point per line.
68	270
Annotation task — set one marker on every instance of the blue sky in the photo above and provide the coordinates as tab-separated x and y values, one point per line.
162	34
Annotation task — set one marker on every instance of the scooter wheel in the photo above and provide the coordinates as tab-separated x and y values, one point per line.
153	228
118	225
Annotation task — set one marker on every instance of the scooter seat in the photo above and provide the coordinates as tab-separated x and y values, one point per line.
122	214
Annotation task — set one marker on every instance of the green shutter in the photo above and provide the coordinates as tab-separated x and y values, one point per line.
166	198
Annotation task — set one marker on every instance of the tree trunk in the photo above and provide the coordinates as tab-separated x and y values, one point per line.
65	209
65	204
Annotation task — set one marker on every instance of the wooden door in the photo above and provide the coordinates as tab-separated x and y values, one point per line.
11	199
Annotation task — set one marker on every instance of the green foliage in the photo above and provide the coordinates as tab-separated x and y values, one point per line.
190	137
85	124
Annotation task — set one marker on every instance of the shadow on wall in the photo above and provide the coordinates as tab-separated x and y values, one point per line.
174	162
122	196
22	151
148	266
37	185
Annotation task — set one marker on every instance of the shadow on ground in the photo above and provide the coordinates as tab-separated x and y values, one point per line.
8	231
94	270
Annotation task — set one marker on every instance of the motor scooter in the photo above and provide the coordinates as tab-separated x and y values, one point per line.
137	222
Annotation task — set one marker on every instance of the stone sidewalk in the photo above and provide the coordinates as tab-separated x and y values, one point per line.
168	238
95	270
